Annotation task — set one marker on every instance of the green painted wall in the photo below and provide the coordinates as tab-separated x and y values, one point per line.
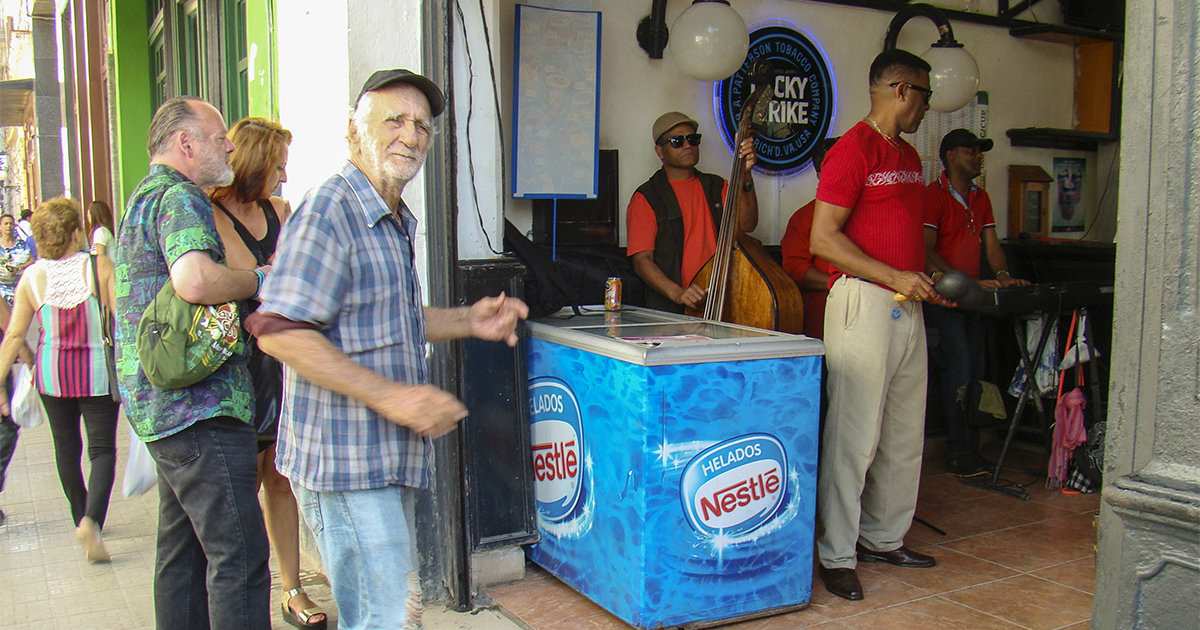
260	46
131	59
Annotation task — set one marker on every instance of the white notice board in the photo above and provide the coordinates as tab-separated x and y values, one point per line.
556	108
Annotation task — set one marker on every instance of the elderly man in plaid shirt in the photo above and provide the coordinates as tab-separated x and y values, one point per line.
343	311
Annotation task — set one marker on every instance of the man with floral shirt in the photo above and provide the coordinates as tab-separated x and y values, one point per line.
212	568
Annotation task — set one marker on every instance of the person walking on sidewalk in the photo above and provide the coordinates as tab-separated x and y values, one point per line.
343	311
212	568
9	431
70	370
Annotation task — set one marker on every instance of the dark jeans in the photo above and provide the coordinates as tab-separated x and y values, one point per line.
212	568
956	360
8	444
100	421
9	431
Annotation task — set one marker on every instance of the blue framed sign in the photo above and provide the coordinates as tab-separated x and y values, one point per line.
556	109
803	100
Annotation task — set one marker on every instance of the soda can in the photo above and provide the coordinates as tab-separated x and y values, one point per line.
612	293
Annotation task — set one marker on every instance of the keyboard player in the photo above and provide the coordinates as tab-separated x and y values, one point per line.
958	222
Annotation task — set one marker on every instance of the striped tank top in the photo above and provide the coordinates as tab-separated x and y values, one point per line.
70	350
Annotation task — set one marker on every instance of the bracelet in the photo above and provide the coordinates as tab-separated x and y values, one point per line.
262	277
1004	273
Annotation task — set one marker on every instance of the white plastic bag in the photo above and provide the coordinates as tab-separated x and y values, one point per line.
27	409
140	471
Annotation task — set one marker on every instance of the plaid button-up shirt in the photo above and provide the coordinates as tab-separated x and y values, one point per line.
345	264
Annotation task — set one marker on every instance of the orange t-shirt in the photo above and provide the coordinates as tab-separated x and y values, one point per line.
699	233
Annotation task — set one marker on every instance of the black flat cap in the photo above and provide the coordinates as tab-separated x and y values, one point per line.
384	78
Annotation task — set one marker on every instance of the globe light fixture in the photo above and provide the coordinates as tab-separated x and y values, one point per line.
954	75
708	41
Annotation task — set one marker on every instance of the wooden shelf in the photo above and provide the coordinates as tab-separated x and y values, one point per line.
1066	139
1059	34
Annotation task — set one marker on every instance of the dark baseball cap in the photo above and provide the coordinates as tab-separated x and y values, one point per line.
963	138
384	78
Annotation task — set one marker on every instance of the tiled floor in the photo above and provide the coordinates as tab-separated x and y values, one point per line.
1003	564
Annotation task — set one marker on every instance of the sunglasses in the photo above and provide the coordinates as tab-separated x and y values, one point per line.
677	141
923	90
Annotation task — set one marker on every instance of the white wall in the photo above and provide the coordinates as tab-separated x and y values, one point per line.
1030	84
326	51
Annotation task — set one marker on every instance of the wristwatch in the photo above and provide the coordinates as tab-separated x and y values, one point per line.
1003	273
748	185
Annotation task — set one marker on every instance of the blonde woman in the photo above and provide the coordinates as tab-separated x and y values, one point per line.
69	365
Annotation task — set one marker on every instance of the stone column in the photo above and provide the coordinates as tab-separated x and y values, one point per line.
1148	568
47	103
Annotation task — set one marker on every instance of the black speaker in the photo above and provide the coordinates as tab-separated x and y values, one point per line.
1105	15
582	221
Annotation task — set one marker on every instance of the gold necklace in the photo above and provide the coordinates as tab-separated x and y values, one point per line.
875	126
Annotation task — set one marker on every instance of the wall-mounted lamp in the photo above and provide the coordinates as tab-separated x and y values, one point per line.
955	75
709	39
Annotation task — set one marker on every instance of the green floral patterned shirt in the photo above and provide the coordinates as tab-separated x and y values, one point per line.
166	217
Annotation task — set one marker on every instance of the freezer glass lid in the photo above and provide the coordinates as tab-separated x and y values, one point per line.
674	333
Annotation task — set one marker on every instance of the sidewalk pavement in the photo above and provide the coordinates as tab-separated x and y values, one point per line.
46	583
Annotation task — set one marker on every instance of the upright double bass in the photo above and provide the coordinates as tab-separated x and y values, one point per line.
745	285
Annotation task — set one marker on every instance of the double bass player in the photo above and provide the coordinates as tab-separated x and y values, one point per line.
673	217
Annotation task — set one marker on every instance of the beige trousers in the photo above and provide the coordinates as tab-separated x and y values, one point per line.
870	464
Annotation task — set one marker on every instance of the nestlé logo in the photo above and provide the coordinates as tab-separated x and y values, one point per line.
734	487
557	448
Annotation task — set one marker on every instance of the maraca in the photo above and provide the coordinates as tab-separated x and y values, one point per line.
956	286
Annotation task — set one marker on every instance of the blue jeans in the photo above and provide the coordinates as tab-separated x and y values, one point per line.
367	542
957	359
211	570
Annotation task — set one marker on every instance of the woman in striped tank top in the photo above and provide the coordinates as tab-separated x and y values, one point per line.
69	370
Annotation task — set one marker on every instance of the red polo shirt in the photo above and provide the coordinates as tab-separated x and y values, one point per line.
960	228
880	181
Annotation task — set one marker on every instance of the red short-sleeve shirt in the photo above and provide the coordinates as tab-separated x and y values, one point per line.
881	183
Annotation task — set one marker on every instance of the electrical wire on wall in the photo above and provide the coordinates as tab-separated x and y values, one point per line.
470	109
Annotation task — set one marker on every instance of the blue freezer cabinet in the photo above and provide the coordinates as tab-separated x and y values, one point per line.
675	464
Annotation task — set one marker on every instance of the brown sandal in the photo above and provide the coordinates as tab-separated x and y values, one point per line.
303	619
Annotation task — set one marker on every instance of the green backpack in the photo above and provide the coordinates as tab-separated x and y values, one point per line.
181	344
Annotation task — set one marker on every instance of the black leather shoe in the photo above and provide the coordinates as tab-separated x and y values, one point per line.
842	582
902	557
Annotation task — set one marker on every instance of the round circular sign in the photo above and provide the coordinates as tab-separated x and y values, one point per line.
801	107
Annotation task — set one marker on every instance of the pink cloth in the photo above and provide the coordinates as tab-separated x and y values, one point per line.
1069	433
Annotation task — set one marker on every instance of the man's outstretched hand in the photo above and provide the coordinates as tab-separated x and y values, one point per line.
495	318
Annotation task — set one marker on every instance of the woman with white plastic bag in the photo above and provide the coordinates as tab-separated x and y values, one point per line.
9	430
68	296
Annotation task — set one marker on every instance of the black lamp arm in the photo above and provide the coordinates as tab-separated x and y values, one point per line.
939	19
652	30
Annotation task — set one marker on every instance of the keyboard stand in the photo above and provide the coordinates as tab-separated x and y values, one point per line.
1029	392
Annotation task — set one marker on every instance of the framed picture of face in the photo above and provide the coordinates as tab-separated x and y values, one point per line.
1070	215
1028	200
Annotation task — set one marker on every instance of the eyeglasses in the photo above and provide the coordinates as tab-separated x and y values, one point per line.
923	90
677	141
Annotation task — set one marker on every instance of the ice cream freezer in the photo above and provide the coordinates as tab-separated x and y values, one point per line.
675	463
